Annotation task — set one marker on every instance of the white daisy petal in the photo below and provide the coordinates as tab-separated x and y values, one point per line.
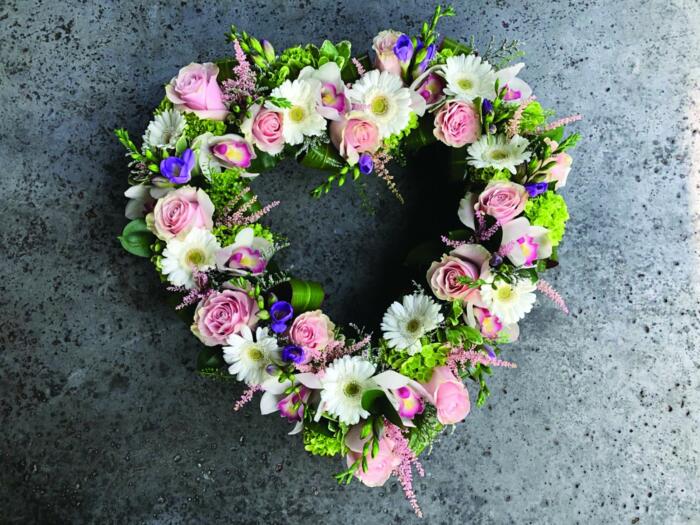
509	301
249	357
404	324
302	118
164	130
496	151
468	77
181	257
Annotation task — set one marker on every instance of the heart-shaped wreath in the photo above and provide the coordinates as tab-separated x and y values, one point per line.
378	403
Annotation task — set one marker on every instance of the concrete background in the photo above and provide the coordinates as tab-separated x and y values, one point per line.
102	419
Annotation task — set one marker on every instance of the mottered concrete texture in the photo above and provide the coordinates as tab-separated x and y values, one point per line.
102	418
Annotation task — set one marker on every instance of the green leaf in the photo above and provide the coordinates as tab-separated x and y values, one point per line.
344	49
306	295
457	48
181	145
328	50
136	238
323	157
263	162
533	116
210	357
555	134
376	402
420	136
225	69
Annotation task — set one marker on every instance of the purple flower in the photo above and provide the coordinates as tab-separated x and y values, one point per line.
403	49
536	188
281	313
366	164
178	169
293	354
430	53
486	106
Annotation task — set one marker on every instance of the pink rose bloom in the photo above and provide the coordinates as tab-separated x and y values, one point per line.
379	467
470	261
354	136
383	46
195	90
180	211
312	330
264	129
560	171
449	395
457	124
502	200
223	314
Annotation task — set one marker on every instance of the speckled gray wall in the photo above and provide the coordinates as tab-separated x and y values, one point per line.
102	419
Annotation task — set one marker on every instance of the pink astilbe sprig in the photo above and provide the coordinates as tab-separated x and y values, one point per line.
379	161
459	356
246	397
241	216
318	359
505	250
483	233
199	292
561	122
513	127
404	472
242	85
358	65
548	290
450	243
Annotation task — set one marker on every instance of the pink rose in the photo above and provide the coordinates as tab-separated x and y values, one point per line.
560	171
180	211
449	395
312	330
354	136
264	129
449	278
502	200
195	90
457	124
383	45
379	467
222	314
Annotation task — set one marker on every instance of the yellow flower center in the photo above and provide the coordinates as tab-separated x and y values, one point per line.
195	257
297	114
379	105
465	84
505	292
255	354
498	154
413	326
351	389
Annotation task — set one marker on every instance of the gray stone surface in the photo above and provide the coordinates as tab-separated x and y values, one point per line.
102	419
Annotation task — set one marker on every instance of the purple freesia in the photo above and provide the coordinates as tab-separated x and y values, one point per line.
430	53
280	313
293	354
403	49
486	106
536	188
178	170
366	164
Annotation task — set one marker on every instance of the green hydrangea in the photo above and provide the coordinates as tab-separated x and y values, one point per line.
164	104
427	429
226	235
394	141
549	210
419	366
197	126
225	187
320	444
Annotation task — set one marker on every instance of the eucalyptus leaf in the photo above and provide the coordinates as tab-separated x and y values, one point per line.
136	238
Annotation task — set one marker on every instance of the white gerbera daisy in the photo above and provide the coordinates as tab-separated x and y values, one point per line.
496	151
510	302
345	381
404	324
468	77
249	357
197	251
164	130
301	119
384	100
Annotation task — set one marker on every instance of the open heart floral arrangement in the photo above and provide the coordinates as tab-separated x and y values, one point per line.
378	403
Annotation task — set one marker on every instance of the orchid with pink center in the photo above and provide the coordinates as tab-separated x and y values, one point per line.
248	254
517	90
332	103
527	243
410	403
217	153
278	398
489	324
